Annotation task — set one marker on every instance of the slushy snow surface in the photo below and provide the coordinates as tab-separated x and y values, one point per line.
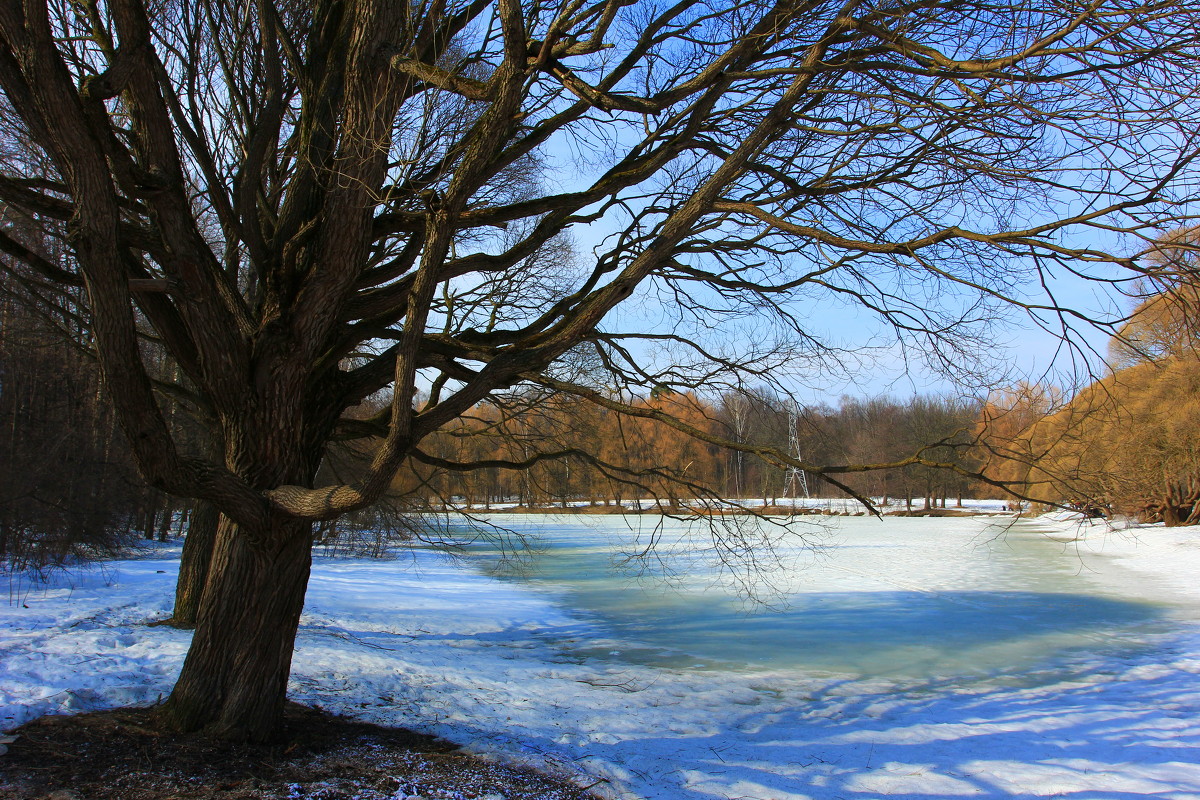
913	658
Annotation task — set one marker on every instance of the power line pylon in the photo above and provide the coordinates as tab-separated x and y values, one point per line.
795	482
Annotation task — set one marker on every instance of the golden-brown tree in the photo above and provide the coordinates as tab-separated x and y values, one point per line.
1130	441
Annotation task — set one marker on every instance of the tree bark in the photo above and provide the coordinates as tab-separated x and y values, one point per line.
234	680
1171	516
193	565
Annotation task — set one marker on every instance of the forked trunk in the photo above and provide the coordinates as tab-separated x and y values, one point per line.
234	680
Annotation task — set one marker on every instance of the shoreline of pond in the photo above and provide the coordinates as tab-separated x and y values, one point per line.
684	511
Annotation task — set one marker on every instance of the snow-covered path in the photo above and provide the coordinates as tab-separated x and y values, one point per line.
430	644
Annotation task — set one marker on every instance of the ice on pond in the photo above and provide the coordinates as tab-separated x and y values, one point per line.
902	597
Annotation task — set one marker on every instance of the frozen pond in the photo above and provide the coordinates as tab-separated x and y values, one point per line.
899	597
910	658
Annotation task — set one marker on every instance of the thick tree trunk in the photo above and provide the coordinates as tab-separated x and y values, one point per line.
234	680
1171	516
193	565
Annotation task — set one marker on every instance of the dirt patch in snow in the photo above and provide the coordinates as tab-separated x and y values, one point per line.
121	755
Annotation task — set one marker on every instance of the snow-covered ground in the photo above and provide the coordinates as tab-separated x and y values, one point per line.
1102	703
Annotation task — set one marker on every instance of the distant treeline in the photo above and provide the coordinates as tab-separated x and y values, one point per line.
545	450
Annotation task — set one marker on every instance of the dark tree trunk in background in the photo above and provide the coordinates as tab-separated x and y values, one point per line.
164	522
193	565
234	680
1172	515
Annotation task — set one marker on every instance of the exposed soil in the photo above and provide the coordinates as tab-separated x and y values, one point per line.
121	755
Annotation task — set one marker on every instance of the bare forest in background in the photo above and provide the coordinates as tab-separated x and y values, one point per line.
668	468
69	489
1128	443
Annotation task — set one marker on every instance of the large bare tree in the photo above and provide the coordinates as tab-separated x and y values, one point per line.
308	203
